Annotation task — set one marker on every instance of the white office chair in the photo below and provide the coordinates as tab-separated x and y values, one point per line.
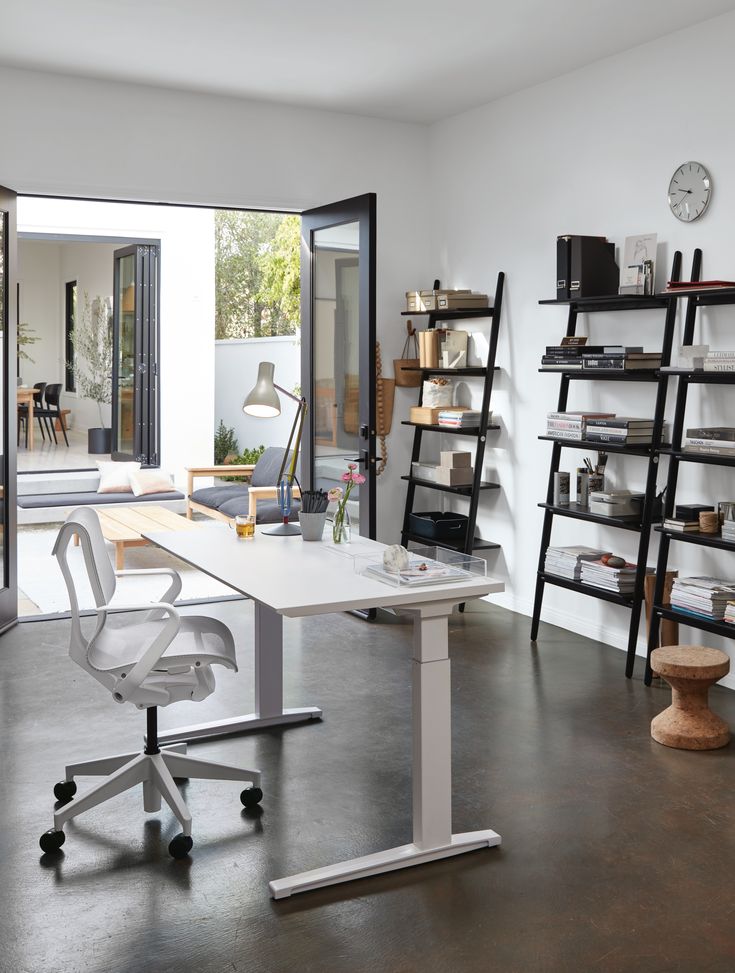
150	656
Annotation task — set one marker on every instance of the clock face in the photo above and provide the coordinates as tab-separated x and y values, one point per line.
690	190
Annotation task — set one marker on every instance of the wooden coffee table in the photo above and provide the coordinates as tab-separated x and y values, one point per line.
122	526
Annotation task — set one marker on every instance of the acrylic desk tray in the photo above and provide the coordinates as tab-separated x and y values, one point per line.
427	566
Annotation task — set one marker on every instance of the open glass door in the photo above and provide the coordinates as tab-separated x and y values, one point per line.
338	348
135	391
8	407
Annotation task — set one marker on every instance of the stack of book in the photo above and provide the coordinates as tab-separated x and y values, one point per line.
703	596
686	517
567	562
682	286
710	441
617	358
728	531
572	425
458	418
719	361
597	574
730	612
570	356
620	430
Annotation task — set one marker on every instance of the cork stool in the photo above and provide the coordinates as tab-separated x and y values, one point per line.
689	723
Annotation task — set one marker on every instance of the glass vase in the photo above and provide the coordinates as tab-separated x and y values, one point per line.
341	527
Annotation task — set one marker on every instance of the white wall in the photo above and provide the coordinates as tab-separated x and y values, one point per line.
236	370
41	308
186	238
195	148
592	153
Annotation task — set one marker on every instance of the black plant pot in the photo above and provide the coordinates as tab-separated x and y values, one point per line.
99	441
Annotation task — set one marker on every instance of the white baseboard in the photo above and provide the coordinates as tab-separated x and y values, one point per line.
591	629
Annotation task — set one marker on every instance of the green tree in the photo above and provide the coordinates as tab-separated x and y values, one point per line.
256	274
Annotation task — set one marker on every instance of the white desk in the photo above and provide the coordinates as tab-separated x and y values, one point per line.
286	576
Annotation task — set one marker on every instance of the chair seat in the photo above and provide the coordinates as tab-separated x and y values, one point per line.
215	496
200	641
268	511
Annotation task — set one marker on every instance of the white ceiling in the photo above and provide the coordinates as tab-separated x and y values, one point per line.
414	60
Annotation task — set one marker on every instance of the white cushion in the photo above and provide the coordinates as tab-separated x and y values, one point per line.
144	482
115	477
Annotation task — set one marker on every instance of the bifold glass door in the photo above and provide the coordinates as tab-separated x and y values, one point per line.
8	407
135	390
338	348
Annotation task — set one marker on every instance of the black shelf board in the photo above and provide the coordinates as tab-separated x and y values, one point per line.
710	459
704	296
462	491
701	377
726	629
613	302
611	374
697	537
587	589
470	371
467	431
577	512
645	450
478	544
452	315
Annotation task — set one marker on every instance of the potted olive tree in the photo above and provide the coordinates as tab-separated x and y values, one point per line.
92	365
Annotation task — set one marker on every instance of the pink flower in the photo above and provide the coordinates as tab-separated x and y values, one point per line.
352	466
346	477
358	478
335	494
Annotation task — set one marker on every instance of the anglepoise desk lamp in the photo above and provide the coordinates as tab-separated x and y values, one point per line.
263	401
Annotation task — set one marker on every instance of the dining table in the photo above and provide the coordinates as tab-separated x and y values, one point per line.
25	397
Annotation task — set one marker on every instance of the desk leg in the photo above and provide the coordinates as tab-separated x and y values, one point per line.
269	710
432	771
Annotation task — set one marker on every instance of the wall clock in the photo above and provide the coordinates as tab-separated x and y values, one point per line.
690	190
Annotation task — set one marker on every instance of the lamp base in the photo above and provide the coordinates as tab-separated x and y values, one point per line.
283	530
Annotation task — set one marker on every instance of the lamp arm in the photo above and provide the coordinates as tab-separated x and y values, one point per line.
291	395
298	424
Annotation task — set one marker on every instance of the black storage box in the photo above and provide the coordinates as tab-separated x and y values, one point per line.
585	267
437	526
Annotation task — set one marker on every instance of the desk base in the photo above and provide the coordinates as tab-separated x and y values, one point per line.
383	861
237	724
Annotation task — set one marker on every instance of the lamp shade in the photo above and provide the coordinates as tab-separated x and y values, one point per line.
262	400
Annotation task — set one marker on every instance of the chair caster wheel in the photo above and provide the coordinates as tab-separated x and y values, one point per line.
51	841
65	790
251	796
180	846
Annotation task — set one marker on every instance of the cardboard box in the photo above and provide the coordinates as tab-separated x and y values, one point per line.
454	458
461	302
443	475
418	301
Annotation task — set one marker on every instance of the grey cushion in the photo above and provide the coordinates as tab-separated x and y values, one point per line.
268	510
267	467
215	496
81	499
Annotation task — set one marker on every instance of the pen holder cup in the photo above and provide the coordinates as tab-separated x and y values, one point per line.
312	526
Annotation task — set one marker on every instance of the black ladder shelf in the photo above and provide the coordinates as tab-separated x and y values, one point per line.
695	300
643	526
470	543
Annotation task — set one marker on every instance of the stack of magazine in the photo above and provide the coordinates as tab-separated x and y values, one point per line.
710	441
730	612
572	425
597	574
621	359
728	530
719	361
567	562
459	418
702	596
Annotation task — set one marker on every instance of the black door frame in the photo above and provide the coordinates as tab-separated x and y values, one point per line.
360	209
147	386
9	421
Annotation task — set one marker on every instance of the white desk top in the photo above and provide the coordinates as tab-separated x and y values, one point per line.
296	577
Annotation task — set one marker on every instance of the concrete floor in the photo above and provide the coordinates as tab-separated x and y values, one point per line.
617	853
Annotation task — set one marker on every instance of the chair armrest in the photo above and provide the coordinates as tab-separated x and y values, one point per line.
265	493
126	686
174	589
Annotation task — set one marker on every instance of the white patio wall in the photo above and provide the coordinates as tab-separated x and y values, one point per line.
236	369
186	238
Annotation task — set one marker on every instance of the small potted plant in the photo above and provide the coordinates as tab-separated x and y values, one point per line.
341	528
92	365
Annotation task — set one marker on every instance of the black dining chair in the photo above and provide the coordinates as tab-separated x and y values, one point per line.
40	388
52	410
